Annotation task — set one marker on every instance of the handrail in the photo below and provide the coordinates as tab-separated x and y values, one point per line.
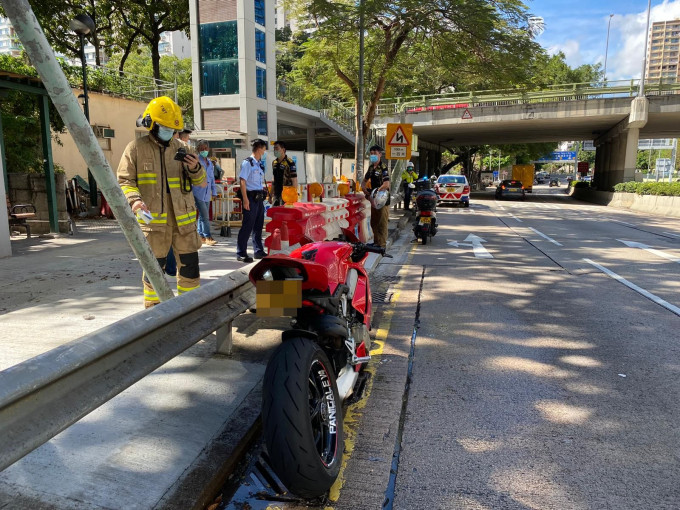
44	395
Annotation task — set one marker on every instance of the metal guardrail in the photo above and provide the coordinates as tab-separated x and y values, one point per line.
44	395
553	93
334	110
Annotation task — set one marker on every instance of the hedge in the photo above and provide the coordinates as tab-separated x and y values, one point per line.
580	184
669	189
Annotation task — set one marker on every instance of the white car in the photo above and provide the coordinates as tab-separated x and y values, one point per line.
454	189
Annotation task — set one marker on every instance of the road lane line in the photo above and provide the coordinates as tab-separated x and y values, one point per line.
624	223
515	218
658	253
639	290
672	234
545	236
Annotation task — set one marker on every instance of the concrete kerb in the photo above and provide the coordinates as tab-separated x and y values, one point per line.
203	479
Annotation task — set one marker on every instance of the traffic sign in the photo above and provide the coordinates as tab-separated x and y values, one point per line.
466	115
583	167
399	138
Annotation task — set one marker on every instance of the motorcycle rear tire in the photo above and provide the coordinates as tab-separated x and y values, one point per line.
424	238
297	418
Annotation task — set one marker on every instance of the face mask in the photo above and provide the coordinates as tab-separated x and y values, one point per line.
165	133
277	154
373	158
204	154
264	158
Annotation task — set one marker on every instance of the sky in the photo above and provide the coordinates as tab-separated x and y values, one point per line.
578	28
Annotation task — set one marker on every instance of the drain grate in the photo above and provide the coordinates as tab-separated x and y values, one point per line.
382	288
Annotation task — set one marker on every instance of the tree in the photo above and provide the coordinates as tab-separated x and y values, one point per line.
172	69
554	70
149	19
487	37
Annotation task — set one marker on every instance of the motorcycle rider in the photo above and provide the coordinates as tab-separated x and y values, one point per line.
378	177
156	182
408	176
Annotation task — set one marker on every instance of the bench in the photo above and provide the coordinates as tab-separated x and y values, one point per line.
18	214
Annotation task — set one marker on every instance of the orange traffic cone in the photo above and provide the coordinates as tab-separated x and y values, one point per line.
275	245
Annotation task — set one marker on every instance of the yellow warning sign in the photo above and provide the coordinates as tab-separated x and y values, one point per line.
399	138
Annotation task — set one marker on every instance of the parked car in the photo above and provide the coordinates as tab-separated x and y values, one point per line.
510	188
454	189
554	182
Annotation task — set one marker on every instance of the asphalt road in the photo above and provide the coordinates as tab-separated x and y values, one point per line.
540	379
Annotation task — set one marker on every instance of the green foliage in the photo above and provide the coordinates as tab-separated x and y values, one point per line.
171	69
669	189
579	184
553	70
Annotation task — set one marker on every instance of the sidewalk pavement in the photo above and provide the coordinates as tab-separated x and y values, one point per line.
167	441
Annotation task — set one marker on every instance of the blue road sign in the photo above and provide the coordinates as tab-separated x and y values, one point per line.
495	175
558	156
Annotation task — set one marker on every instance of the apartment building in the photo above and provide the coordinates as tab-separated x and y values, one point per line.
9	42
663	56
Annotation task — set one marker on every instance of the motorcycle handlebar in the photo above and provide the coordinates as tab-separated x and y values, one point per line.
372	249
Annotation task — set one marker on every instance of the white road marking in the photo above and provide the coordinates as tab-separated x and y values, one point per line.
624	223
475	242
545	236
515	218
658	253
637	289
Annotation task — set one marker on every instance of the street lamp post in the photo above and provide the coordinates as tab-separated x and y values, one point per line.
359	168
606	49
83	25
644	58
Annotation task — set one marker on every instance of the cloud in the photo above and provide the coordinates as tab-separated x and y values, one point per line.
628	35
571	49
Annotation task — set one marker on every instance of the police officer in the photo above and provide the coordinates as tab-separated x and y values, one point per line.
285	172
156	182
408	176
253	193
378	177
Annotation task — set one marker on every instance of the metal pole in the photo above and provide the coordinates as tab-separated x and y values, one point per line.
39	51
359	167
606	50
86	107
674	154
644	58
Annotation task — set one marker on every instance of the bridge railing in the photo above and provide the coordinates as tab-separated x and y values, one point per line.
503	97
329	108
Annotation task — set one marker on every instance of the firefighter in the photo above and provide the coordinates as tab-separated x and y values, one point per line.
157	181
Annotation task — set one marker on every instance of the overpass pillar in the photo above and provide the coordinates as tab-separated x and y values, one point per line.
311	139
630	156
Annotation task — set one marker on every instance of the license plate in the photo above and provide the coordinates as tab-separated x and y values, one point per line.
513	189
279	298
425	220
450	188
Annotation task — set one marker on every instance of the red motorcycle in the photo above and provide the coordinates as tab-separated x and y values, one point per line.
325	288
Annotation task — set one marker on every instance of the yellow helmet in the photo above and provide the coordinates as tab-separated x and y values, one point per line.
163	111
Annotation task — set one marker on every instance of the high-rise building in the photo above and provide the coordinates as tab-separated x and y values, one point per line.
234	66
9	42
174	43
663	55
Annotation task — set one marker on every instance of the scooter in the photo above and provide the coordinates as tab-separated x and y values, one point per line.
325	288
425	225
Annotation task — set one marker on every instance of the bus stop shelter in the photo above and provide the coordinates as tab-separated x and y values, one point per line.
30	85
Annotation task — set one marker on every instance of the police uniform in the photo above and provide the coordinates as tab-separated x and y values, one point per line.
284	173
407	177
252	171
378	174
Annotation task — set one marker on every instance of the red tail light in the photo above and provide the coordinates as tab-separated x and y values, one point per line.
522	187
466	189
426	213
502	187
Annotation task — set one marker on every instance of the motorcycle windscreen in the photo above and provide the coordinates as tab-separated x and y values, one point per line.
278	298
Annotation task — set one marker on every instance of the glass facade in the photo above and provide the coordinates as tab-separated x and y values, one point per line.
219	58
259	12
261	82
261	123
260	46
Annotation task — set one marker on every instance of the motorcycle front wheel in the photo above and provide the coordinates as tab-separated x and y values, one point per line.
302	418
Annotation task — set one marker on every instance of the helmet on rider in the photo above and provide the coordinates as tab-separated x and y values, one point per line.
379	198
409	164
162	117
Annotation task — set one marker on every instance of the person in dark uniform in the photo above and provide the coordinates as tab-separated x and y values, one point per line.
378	177
285	172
